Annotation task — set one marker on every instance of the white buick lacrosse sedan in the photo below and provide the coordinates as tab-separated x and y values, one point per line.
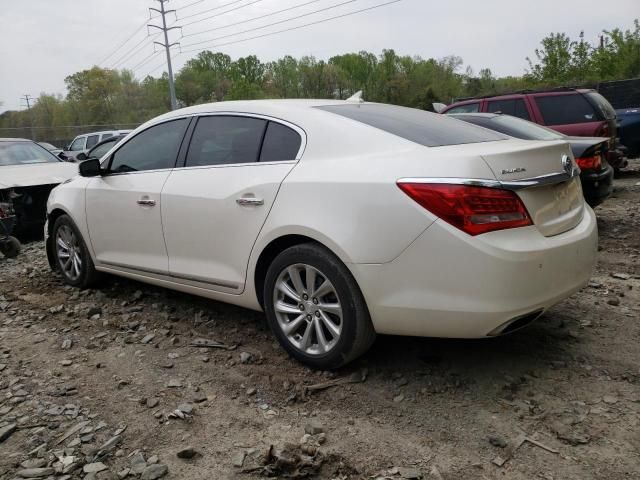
338	219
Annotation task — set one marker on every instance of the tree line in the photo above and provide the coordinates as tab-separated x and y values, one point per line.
105	97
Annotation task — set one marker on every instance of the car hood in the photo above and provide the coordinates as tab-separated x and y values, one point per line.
36	174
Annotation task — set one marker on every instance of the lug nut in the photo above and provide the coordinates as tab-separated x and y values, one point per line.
309	317
315	300
305	297
317	313
301	306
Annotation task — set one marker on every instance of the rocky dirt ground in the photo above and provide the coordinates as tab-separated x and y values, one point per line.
139	382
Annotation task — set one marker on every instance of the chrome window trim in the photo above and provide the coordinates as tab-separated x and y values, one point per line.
549	179
292	126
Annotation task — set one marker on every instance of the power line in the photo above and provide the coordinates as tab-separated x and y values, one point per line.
211	9
190	4
124	43
331	7
146	60
252	19
132	52
167	47
296	27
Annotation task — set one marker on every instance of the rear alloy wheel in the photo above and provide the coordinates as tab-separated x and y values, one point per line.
72	257
315	308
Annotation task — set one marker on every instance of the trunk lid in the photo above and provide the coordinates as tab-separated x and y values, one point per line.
555	207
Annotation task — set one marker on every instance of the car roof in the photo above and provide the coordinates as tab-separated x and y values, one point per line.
15	140
556	90
475	114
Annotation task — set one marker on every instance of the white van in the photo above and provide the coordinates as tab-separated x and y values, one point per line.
84	142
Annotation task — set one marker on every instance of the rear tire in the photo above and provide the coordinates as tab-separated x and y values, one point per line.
315	308
72	258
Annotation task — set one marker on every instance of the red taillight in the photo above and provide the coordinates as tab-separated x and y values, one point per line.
474	210
589	163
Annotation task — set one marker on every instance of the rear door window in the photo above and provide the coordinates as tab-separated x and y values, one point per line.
468	108
280	143
512	106
566	109
424	128
224	140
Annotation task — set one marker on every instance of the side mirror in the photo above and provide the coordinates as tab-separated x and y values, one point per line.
81	156
62	156
90	168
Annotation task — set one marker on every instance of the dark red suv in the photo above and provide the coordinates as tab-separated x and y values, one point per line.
574	112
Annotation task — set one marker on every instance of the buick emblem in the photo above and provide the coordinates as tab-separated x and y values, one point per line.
567	164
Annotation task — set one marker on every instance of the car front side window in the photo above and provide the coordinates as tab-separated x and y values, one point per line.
152	149
78	144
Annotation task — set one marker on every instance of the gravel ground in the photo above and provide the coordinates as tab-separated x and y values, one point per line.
132	380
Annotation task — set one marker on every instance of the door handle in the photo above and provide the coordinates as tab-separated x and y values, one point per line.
146	202
250	201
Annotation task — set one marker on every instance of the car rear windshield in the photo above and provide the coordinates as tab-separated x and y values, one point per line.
24	153
428	129
513	126
566	109
602	104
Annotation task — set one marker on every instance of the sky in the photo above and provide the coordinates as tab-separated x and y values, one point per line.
43	41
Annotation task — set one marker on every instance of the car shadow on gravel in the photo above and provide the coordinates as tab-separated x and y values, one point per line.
534	347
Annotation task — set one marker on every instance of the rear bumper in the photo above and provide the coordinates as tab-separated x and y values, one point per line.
449	284
596	186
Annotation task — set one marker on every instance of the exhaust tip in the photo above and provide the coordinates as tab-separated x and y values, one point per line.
516	323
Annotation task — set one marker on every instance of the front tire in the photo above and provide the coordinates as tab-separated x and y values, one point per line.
315	308
72	258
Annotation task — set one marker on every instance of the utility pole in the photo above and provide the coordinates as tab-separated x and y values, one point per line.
27	98
167	46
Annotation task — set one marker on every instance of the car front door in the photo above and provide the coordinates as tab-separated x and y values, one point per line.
215	205
123	206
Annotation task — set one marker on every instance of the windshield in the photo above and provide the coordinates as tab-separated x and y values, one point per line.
513	126
519	128
24	153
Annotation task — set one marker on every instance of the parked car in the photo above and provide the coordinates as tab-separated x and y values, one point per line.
52	148
590	154
28	172
100	149
83	143
575	112
629	130
339	219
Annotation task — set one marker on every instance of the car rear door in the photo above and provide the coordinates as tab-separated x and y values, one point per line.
123	206
215	205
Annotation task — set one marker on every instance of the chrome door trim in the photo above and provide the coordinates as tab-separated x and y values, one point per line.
191	278
549	179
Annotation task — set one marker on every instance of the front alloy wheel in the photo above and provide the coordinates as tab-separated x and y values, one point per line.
68	252
71	255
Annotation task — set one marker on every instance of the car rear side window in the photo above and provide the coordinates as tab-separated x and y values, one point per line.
566	109
223	140
424	128
467	108
92	140
280	143
152	149
512	106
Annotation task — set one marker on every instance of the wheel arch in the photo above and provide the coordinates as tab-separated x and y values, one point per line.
51	220
273	249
